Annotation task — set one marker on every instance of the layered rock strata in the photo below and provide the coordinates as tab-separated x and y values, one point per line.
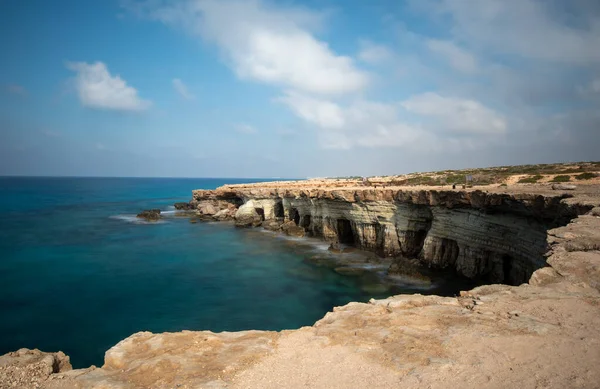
493	237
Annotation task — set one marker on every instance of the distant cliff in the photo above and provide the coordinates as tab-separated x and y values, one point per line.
494	237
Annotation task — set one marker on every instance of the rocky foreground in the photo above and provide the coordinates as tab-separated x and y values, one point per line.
544	333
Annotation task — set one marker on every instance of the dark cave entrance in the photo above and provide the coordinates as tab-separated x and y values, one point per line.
261	213
278	210
414	243
306	222
295	216
507	266
344	230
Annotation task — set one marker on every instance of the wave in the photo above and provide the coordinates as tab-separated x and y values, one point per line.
134	219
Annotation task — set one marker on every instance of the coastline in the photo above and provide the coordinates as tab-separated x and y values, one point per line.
545	332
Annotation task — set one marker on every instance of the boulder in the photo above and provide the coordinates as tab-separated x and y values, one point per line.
290	228
31	368
272	225
223	214
246	216
150	214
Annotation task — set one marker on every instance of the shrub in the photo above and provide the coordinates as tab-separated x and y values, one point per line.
561	178
530	180
585	176
503	184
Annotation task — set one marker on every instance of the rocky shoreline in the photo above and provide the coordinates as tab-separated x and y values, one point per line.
542	332
492	237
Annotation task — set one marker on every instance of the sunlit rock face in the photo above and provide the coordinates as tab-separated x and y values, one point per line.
491	237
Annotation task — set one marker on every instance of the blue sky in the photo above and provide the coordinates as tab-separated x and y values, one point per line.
236	88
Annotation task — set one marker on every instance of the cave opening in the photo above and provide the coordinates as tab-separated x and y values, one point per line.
344	230
414	243
261	213
306	222
295	216
507	265
278	210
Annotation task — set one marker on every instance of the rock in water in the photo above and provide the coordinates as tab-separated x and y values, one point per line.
272	225
290	228
150	214
183	206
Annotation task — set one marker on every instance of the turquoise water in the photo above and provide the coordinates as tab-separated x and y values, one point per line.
78	272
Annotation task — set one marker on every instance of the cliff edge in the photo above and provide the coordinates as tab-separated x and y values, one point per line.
543	333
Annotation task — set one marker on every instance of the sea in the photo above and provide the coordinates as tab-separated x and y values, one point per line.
79	272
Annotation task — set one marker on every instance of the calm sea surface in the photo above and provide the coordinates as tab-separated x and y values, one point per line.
79	273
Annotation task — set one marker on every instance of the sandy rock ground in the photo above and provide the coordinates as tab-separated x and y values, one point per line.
544	334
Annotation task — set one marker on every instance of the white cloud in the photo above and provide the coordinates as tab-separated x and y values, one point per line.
418	122
374	53
459	58
563	32
362	123
247	129
266	43
98	89
182	89
457	115
323	113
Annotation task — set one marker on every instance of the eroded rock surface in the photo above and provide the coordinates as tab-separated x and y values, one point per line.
541	334
30	368
491	236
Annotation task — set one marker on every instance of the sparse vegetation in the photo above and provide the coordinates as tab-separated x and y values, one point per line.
490	175
424	180
585	176
503	184
530	180
561	178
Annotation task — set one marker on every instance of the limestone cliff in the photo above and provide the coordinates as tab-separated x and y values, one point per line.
543	334
494	237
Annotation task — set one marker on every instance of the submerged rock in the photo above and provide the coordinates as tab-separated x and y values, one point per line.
350	271
150	214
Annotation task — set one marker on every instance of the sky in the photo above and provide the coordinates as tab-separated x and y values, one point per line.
293	89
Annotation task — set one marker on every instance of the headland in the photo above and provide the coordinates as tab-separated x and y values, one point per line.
536	324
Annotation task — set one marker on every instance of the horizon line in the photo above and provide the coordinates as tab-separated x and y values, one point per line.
191	178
